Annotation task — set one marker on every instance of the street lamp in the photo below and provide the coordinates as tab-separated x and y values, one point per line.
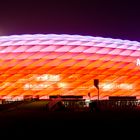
96	84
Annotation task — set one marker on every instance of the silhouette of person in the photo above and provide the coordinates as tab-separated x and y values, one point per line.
89	94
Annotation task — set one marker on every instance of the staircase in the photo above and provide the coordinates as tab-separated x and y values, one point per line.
52	103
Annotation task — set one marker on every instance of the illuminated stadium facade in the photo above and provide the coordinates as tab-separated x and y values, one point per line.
44	65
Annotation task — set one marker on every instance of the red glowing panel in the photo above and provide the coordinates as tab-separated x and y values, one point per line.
52	64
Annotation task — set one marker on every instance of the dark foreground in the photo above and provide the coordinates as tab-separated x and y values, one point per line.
33	119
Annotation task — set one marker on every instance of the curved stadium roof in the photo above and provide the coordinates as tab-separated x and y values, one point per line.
67	64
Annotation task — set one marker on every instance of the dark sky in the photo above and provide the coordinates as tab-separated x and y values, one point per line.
106	18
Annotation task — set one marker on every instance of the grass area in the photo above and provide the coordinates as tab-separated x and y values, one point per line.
34	118
34	105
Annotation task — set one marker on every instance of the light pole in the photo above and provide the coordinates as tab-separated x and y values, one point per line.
96	84
98	93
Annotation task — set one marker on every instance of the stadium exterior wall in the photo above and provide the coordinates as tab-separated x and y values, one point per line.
43	65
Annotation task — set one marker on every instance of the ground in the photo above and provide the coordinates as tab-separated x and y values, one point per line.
33	118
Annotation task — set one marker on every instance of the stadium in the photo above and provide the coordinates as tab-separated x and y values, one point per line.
45	65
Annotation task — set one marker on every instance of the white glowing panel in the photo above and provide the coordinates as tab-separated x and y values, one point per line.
43	65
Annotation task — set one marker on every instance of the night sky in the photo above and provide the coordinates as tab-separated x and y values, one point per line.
106	18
